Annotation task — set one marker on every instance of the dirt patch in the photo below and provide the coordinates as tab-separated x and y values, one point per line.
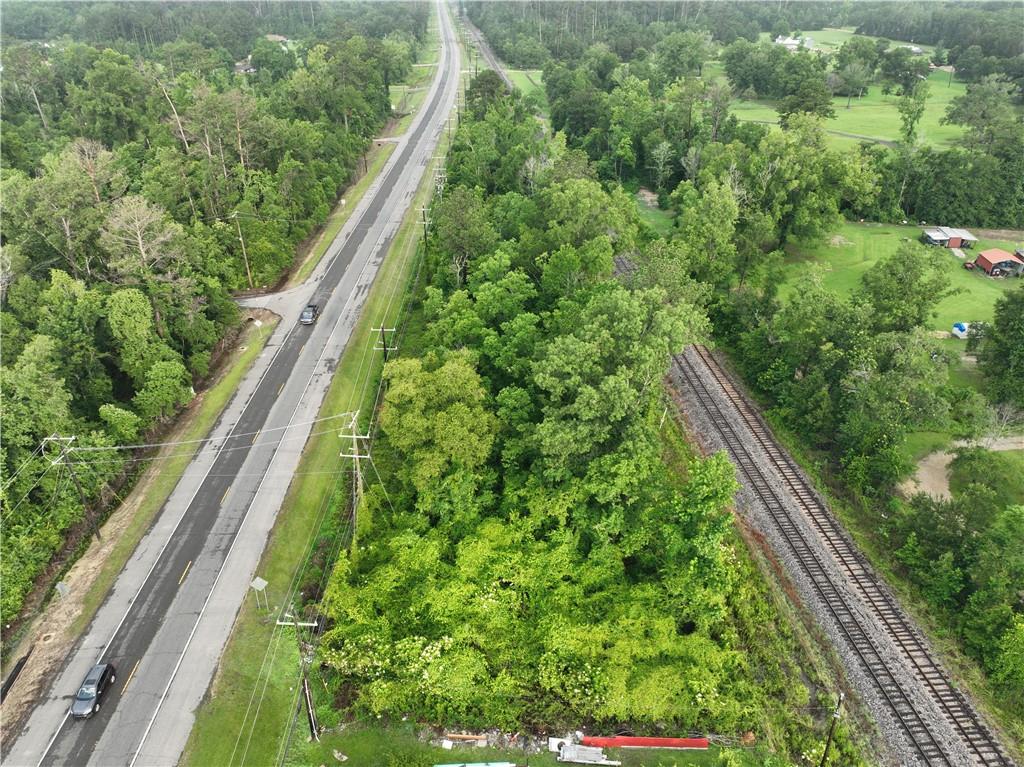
647	197
49	634
932	474
931	477
838	240
1008	235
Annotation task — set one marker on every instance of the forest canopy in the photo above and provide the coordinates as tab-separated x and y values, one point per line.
145	177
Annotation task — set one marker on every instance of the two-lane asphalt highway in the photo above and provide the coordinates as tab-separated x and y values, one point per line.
169	614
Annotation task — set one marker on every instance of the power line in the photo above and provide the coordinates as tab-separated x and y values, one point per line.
95	448
34	486
188	454
27	461
277	631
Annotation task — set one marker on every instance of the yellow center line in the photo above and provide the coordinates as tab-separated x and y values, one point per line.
182	578
281	389
254	436
131	676
301	348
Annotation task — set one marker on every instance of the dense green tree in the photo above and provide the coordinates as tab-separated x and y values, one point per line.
109	104
902	69
986	110
682	53
486	90
860	51
707	225
1010	666
1002	353
272	58
905	288
911	106
855	77
464	229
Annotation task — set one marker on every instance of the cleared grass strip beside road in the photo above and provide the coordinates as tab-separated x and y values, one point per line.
232	713
375	158
161	479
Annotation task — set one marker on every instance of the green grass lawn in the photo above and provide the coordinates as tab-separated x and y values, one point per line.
919	444
373	745
863	245
528	81
831	39
659	220
1002	471
875	116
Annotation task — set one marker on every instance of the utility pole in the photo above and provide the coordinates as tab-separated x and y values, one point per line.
65	457
314	729
357	484
383	342
245	255
424	212
832	729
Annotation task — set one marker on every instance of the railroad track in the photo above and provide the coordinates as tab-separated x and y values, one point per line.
977	738
485	50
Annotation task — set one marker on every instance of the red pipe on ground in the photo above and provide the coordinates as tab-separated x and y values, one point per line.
629	741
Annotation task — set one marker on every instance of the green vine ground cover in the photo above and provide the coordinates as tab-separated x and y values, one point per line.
514	582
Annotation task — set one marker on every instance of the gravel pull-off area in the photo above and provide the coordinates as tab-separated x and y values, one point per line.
932	473
889	679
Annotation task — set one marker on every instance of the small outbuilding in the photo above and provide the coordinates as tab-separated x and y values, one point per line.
793	43
996	262
948	237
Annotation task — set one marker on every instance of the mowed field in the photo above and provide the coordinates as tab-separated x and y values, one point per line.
530	81
875	116
855	248
831	39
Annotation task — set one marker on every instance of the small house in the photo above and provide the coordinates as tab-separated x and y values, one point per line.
245	67
996	262
948	237
793	43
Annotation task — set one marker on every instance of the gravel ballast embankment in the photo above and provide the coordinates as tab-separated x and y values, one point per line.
900	750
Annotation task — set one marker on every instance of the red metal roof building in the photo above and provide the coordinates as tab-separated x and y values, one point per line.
996	261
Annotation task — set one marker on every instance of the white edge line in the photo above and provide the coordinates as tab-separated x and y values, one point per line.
245	519
170	536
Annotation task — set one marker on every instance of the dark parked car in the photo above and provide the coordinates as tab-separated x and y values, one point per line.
309	314
87	701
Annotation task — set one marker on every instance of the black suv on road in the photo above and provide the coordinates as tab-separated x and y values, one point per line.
87	701
309	314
